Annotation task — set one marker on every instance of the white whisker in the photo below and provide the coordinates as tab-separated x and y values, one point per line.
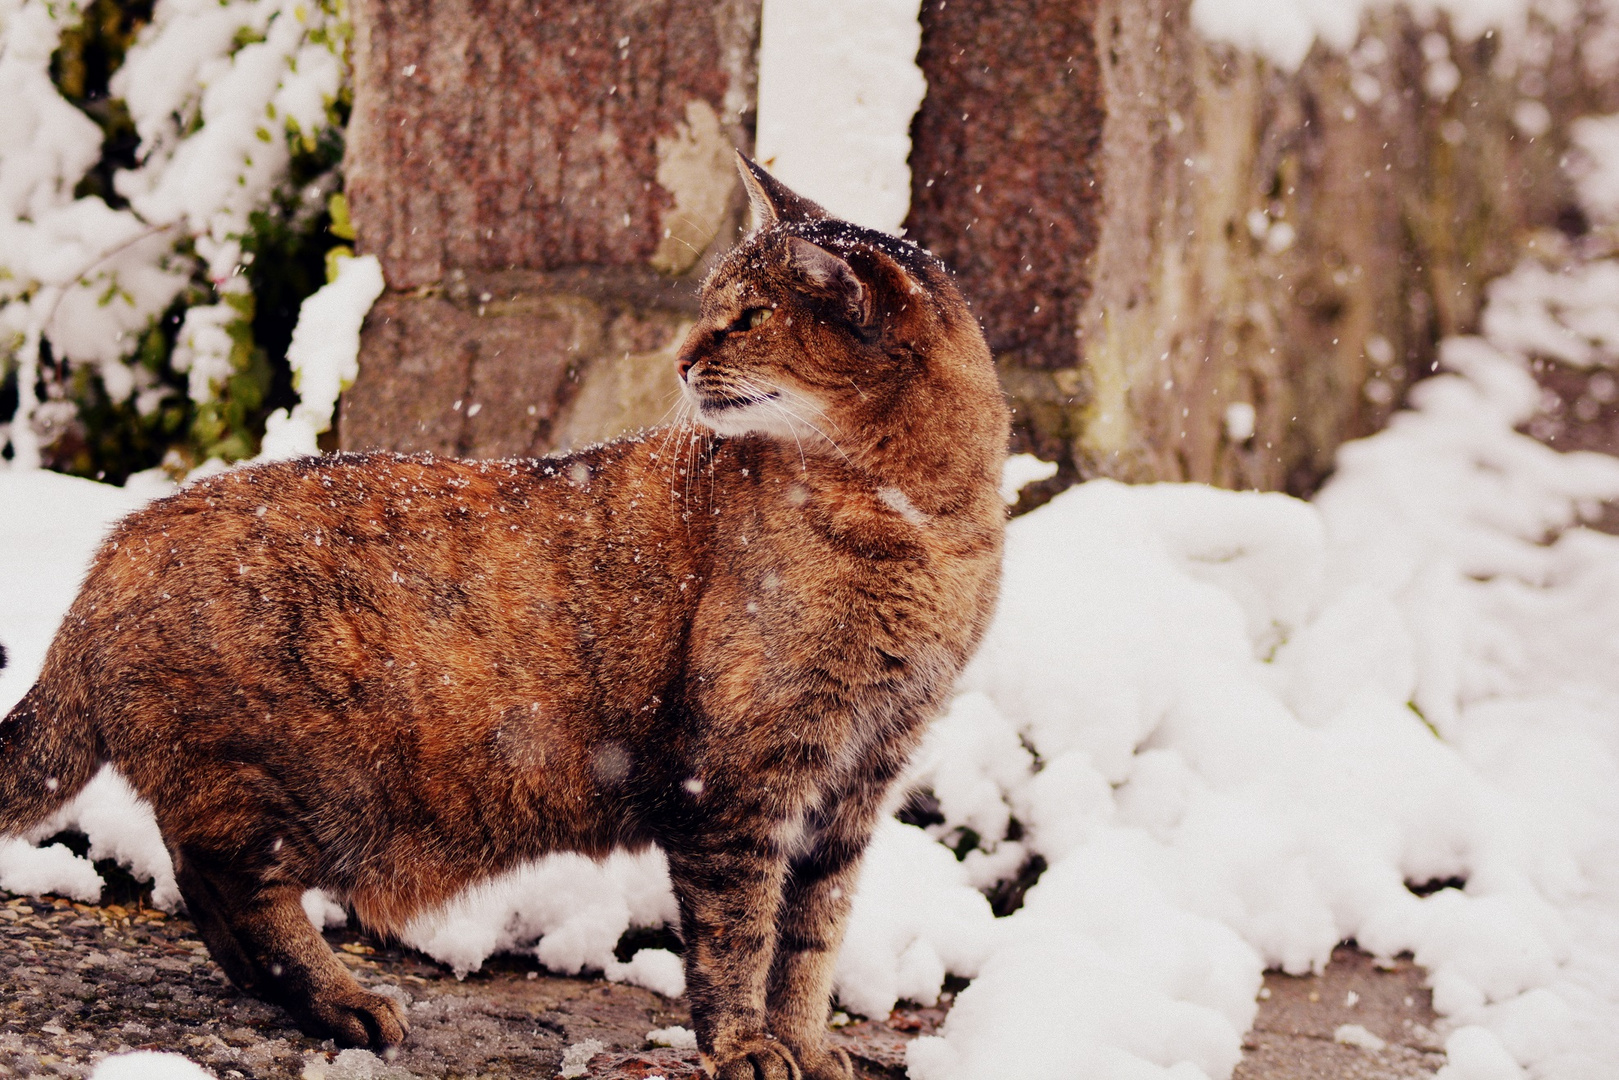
769	399
677	431
794	418
804	402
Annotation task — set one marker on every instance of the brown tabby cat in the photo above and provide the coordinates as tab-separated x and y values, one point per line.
388	677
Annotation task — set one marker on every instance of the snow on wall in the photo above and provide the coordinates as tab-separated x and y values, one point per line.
838	86
324	356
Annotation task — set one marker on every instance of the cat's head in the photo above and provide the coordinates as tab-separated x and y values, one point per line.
824	334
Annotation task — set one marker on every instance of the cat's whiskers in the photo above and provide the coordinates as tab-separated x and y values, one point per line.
677	405
684	414
713	485
671	449
754	394
689	467
660	455
679	408
803	465
679	466
683	219
805	402
774	399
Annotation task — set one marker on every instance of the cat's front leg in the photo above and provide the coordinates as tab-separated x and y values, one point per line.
729	888
815	907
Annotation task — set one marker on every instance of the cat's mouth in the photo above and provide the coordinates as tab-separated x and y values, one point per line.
715	402
732	413
731	410
720	398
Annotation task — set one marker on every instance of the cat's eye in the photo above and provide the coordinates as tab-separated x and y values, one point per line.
751	318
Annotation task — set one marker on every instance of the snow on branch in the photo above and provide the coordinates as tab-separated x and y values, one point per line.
221	96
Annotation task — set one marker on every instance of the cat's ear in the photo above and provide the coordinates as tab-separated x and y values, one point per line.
771	200
830	276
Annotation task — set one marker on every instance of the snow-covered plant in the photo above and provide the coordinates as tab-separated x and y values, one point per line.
117	292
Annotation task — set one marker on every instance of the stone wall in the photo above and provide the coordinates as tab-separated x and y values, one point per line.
1194	266
1191	265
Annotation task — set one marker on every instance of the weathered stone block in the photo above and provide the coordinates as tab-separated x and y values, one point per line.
1191	265
517	362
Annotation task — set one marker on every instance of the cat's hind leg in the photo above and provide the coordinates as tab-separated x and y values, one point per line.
258	933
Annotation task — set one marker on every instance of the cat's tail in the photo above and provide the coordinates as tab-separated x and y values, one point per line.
47	754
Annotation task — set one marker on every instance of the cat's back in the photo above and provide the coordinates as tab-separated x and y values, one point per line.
419	647
392	585
375	521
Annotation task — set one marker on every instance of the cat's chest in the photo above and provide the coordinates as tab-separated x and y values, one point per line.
845	599
824	561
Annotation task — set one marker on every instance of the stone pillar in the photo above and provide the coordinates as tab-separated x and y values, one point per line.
1006	186
544	183
1194	266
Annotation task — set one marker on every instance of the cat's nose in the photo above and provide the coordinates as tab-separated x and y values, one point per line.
685	359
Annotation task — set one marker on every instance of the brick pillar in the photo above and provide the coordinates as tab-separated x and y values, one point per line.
1005	182
544	182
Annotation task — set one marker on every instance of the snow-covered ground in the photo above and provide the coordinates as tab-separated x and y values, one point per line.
1234	724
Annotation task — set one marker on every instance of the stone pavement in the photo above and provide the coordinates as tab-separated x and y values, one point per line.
1357	1020
80	981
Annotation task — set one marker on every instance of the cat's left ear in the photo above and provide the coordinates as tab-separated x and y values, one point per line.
830	276
771	200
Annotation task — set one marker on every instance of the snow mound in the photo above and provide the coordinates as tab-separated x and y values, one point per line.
569	910
1238	725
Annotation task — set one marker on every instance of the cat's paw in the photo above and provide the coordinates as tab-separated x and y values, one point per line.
359	1018
826	1063
754	1059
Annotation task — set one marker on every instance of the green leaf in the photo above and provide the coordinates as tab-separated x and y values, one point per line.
334	260
338	207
